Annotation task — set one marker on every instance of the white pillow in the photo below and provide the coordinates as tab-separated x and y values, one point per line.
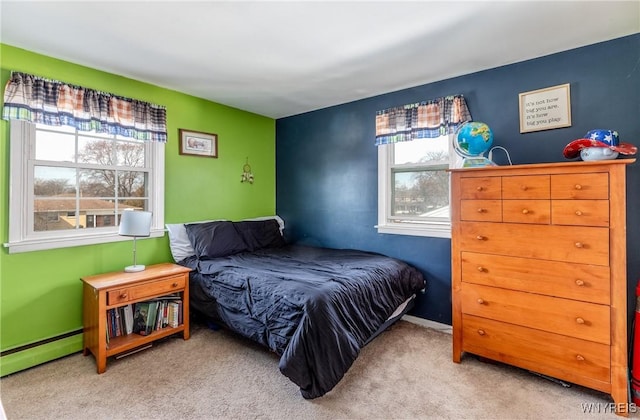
179	241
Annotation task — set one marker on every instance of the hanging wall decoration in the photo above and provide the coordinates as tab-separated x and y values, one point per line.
247	175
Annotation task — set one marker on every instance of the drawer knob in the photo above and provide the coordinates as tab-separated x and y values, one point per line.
578	213
480	188
480	301
580	282
480	238
174	285
579	245
123	296
524	187
580	357
481	332
525	211
580	320
578	187
481	269
481	210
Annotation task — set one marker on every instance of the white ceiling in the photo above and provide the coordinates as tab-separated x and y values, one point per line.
284	58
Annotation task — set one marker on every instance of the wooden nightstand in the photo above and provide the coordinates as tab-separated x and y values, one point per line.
106	295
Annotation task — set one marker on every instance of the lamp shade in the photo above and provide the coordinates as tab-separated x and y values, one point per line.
135	223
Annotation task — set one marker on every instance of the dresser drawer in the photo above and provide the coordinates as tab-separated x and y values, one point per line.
588	321
588	283
526	211
482	188
141	291
548	353
580	212
585	245
481	210
526	187
592	186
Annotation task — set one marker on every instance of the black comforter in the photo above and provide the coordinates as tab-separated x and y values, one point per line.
315	307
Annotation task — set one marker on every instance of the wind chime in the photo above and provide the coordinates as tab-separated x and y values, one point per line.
247	175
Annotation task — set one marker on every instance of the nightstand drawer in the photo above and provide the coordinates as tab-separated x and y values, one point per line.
172	284
588	321
115	297
132	293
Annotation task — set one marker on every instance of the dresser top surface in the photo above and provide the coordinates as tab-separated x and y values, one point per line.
572	166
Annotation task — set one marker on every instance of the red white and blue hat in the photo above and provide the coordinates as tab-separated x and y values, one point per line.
599	138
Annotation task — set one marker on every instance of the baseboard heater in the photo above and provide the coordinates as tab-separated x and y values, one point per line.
40	343
42	351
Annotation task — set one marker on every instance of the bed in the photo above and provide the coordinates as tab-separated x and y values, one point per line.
314	307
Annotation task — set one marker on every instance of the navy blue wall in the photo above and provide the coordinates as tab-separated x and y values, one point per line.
326	161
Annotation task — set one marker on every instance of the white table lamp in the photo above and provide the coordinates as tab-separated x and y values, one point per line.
135	224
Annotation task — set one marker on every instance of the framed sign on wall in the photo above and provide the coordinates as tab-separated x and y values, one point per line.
545	109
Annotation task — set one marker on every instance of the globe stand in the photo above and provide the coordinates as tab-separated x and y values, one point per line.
476	162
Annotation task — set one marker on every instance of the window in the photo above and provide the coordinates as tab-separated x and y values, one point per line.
413	187
68	187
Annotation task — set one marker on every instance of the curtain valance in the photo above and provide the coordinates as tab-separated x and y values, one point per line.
428	119
38	100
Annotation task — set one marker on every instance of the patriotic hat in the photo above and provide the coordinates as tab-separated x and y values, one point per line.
599	138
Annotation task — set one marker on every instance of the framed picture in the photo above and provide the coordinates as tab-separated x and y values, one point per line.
545	109
197	143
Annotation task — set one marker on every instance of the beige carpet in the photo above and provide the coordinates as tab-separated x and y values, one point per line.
406	373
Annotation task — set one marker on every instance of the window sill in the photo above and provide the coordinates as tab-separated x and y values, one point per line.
434	231
41	244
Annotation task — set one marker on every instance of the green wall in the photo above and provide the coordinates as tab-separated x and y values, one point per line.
40	292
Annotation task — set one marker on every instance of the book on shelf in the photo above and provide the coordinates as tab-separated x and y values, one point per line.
140	317
111	323
160	314
165	314
117	326
151	318
173	314
128	318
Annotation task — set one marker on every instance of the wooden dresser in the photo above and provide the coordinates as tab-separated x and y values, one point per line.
539	270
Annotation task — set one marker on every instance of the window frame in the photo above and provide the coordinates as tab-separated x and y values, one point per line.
436	227
22	139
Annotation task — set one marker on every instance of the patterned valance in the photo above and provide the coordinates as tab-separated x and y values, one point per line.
427	119
32	98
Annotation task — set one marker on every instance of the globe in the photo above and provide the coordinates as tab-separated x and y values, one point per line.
472	139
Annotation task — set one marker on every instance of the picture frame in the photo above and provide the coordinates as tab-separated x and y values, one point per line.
545	109
198	143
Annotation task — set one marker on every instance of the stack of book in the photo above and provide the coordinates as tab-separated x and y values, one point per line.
144	317
119	321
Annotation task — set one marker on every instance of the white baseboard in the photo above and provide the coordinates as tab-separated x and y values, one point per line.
429	324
